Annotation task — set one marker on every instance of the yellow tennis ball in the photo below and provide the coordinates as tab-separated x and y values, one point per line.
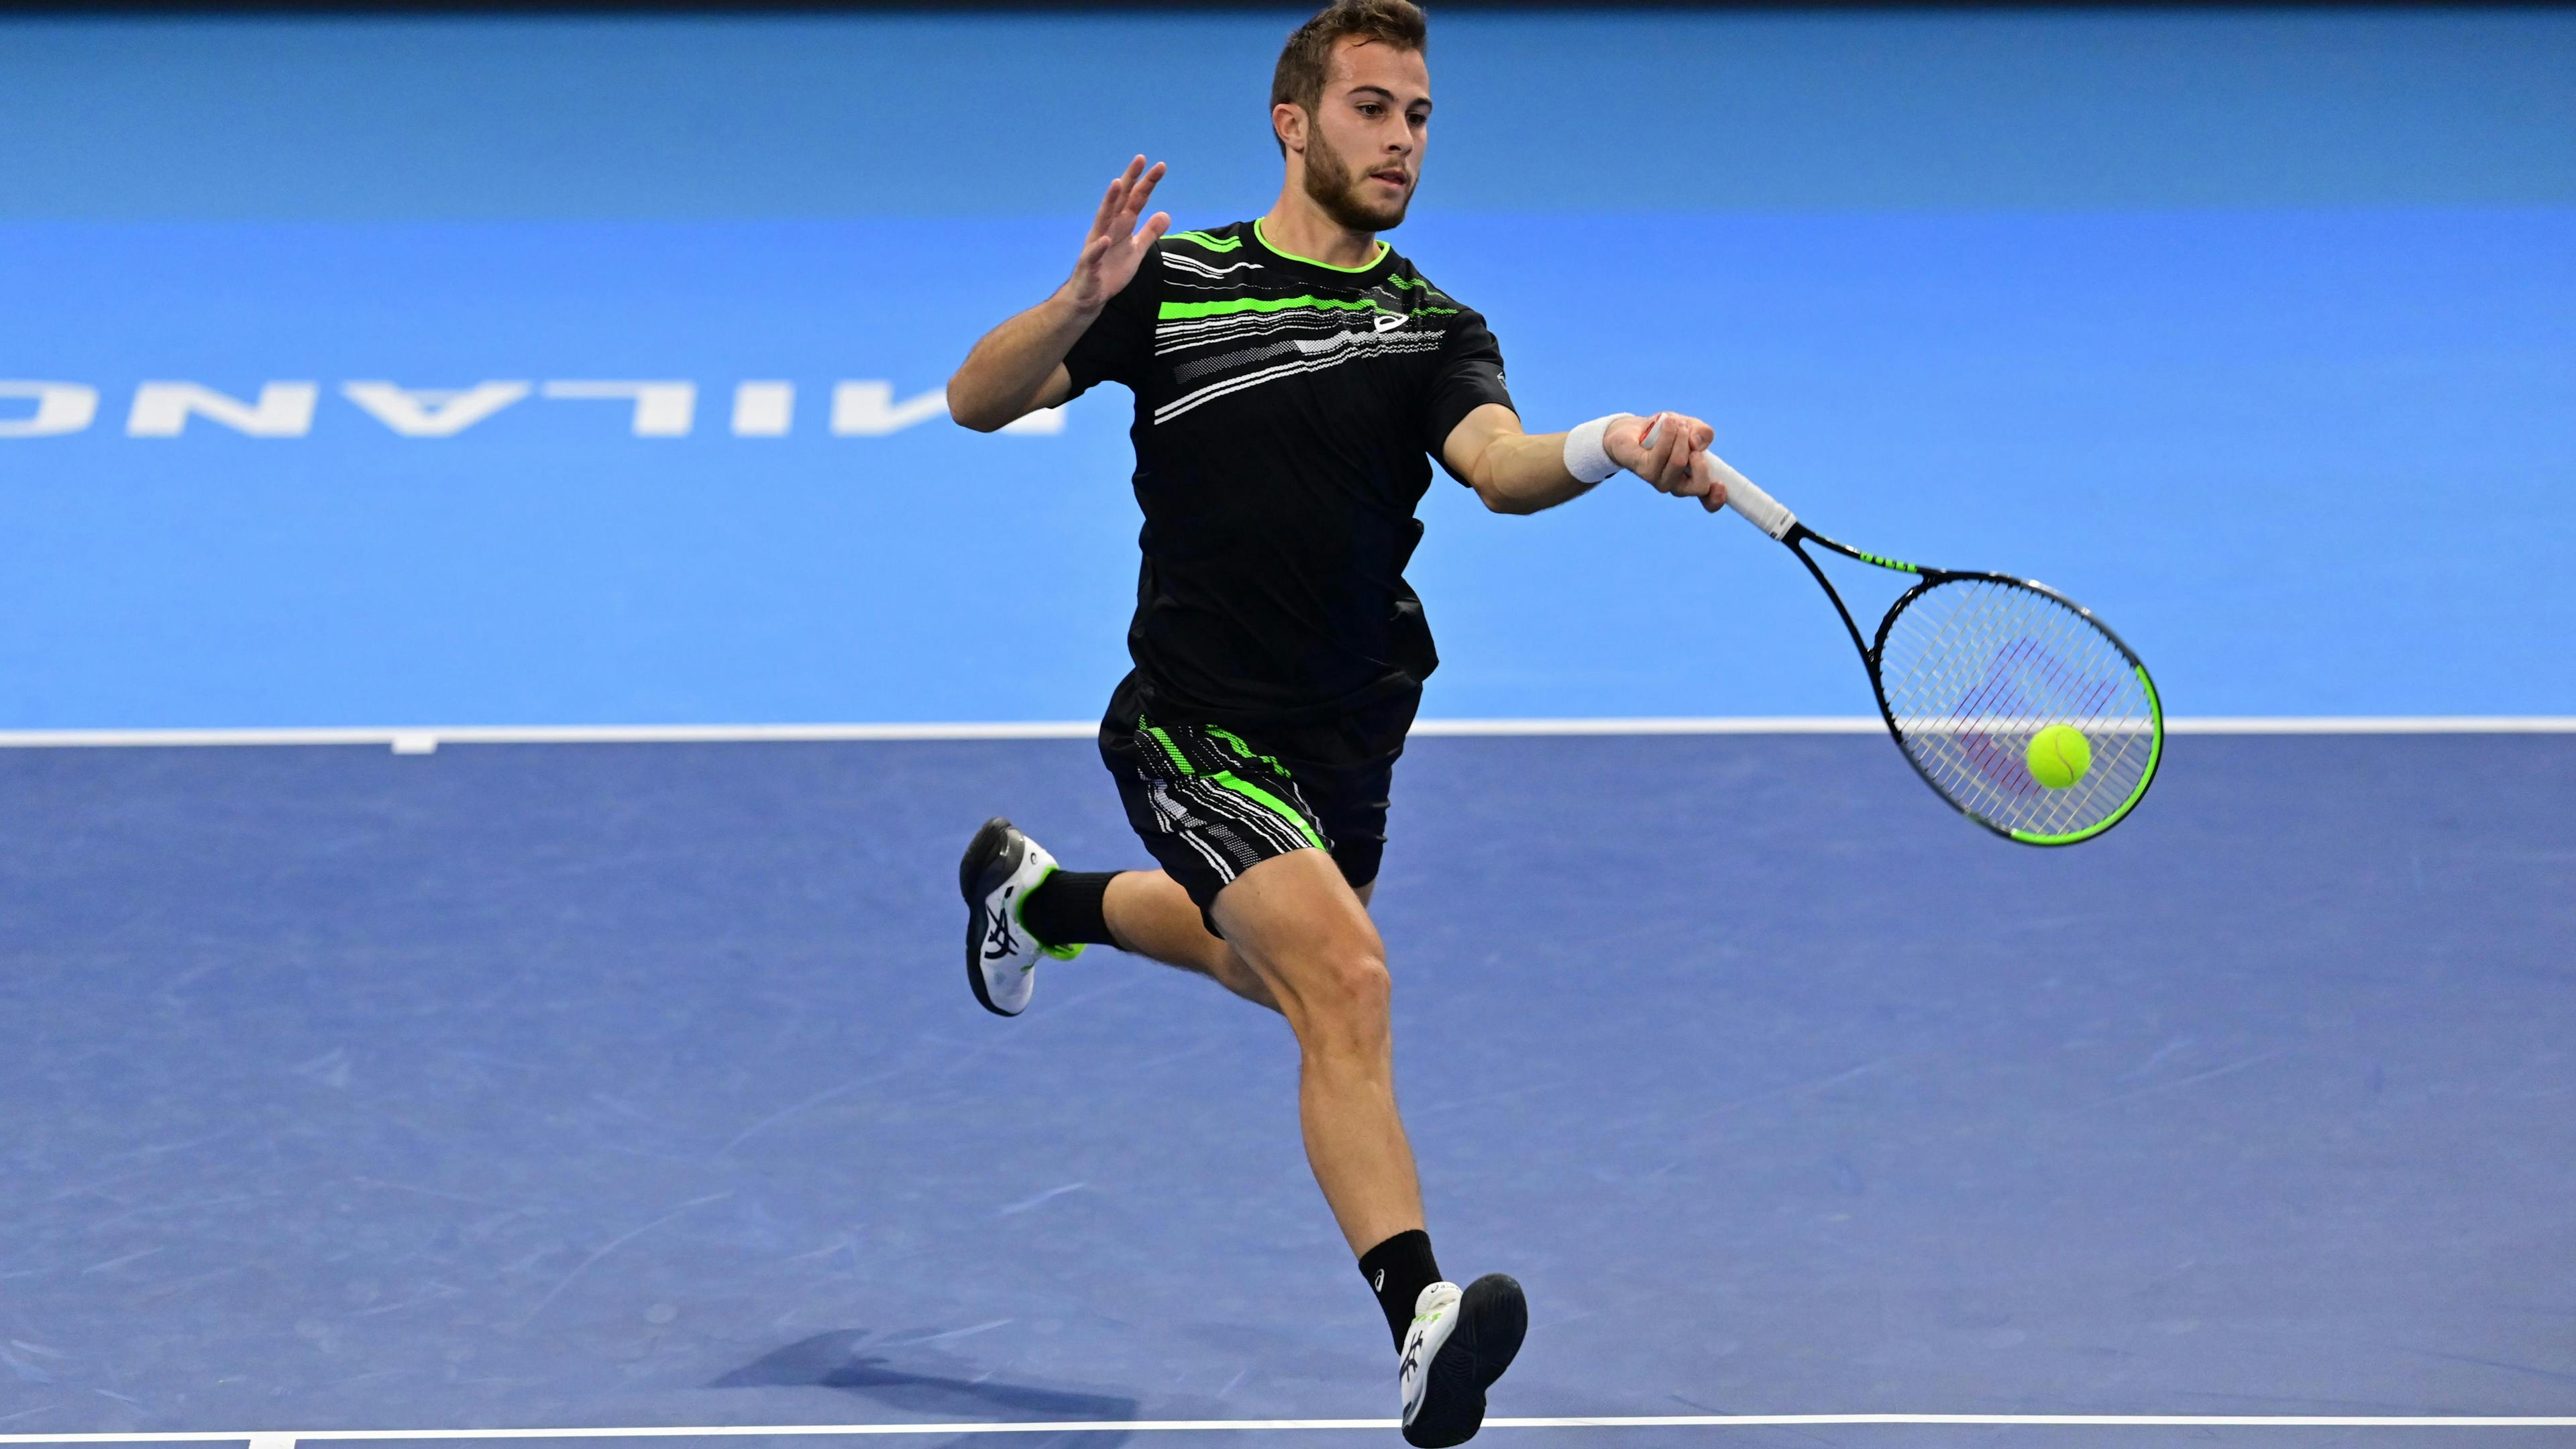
2059	755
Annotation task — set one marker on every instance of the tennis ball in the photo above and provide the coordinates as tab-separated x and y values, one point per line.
2059	755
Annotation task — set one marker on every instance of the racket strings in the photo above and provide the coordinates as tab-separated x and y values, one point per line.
1973	669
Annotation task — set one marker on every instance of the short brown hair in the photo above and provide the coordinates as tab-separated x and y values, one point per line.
1299	79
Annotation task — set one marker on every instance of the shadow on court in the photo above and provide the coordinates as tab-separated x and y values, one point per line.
906	1372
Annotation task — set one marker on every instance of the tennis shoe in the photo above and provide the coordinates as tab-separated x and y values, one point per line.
1001	867
1460	1342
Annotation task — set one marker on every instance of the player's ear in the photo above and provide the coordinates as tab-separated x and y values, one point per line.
1288	123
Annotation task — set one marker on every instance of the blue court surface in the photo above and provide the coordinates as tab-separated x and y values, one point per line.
413	375
2255	331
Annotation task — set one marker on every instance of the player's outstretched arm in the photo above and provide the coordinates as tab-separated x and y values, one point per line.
1018	367
1517	472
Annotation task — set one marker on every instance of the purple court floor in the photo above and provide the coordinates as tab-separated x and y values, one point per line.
636	1085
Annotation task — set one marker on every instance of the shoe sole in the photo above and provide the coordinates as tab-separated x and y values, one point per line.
1493	1318
986	865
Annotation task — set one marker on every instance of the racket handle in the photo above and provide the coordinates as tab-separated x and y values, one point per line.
1757	507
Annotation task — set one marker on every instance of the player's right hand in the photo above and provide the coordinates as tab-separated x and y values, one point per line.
1669	450
1116	246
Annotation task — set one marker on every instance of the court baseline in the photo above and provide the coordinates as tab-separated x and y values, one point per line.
1187	1426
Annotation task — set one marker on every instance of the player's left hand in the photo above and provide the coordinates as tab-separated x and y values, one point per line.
1669	450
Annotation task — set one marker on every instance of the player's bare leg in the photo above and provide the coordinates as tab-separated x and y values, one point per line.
1302	930
1152	915
1297	939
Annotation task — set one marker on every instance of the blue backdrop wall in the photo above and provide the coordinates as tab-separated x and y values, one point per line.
2257	332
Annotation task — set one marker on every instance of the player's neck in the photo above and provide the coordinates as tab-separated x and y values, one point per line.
1297	227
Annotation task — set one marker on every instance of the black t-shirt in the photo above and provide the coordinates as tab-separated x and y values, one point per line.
1284	413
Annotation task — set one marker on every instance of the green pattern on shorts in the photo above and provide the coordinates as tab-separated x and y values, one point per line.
1229	780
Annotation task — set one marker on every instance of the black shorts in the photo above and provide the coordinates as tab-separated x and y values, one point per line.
1213	800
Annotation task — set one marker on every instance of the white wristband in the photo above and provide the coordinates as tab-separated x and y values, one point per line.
1584	456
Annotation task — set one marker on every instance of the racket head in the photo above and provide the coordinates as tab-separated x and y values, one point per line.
1971	667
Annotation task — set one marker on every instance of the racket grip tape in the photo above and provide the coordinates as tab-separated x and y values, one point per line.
1757	507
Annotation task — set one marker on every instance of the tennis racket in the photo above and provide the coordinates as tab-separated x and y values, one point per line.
2010	699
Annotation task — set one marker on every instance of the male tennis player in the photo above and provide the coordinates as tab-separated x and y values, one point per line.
1291	373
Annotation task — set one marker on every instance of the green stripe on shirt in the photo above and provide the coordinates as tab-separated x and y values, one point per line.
1173	311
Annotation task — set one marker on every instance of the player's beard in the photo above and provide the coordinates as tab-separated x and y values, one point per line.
1332	185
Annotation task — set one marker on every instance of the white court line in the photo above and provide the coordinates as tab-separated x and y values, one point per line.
410	739
425	739
286	1440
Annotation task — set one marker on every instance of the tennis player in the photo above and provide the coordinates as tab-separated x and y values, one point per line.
1291	374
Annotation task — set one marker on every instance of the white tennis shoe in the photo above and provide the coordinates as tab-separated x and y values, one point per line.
1460	1342
1000	869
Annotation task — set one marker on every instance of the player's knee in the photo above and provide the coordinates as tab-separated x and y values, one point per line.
1346	1001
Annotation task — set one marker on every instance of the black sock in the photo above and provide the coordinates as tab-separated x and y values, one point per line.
1066	908
1397	1271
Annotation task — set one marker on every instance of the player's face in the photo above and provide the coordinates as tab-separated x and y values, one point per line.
1364	154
